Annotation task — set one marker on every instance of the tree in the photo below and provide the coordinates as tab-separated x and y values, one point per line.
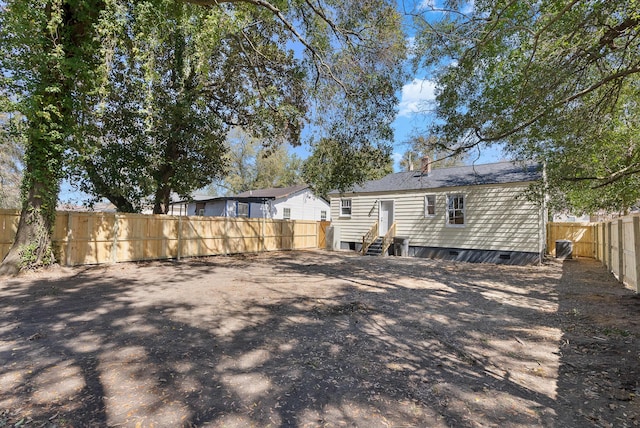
163	125
11	154
51	58
46	57
338	165
252	166
432	147
553	80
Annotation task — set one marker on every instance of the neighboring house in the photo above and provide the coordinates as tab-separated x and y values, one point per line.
288	203
474	213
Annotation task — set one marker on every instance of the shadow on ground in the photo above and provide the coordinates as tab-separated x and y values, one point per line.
296	339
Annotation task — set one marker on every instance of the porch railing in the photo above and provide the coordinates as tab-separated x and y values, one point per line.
369	237
388	238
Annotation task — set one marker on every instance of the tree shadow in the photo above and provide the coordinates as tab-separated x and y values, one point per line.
289	339
599	374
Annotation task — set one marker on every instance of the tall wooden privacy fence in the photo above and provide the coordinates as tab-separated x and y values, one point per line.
93	238
616	243
581	234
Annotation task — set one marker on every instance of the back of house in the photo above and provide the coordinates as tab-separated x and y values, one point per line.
476	213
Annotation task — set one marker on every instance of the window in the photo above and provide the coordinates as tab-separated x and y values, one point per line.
345	207
199	208
243	209
286	213
455	210
430	205
323	215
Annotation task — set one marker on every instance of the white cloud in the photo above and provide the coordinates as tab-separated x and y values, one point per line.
416	96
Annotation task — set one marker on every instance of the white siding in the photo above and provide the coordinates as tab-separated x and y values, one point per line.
495	218
303	206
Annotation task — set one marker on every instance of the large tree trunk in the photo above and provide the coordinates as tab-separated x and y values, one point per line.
50	120
40	184
32	245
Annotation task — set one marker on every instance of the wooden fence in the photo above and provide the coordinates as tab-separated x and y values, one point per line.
615	243
92	238
581	234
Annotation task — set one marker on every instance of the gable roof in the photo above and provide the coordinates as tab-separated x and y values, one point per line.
467	175
274	192
257	196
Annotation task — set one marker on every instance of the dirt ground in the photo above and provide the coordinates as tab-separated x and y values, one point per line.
313	339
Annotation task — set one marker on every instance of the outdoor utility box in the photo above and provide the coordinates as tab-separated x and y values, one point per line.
333	238
401	246
564	249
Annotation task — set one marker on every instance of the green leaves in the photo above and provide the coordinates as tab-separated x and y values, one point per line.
339	164
550	80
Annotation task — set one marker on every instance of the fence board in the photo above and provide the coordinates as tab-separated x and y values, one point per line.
615	243
581	234
95	238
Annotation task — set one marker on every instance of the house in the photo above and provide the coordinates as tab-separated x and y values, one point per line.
287	203
475	213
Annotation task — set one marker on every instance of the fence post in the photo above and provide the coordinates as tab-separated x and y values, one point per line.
179	238
621	250
603	243
636	247
69	238
114	244
609	246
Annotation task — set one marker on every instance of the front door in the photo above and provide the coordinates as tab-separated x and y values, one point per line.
386	216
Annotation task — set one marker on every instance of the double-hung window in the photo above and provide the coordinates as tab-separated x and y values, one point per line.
345	207
430	205
455	210
286	213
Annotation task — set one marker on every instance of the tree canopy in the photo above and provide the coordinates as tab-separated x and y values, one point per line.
253	166
553	80
336	164
431	147
139	94
180	78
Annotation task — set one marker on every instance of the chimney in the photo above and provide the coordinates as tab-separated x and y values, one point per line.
425	166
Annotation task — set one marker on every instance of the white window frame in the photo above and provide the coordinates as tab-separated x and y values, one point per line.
456	210
345	203
286	213
323	215
427	205
241	212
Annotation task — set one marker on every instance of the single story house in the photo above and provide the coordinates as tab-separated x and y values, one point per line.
285	203
475	213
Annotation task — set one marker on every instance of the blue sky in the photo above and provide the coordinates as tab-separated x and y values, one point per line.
418	95
416	100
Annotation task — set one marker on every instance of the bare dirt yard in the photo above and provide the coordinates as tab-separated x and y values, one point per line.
313	339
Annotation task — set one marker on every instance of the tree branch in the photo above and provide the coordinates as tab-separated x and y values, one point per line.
593	87
288	25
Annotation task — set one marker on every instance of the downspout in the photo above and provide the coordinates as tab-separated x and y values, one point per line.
543	213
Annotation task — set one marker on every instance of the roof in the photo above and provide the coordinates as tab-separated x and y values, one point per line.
468	175
275	192
251	195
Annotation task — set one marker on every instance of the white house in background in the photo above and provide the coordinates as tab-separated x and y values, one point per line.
475	213
284	203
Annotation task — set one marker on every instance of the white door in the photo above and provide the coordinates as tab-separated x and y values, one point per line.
386	216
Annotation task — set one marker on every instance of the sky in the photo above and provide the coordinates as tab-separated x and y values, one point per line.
414	118
417	99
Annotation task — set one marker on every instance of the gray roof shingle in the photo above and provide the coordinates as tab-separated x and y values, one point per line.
467	175
276	192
